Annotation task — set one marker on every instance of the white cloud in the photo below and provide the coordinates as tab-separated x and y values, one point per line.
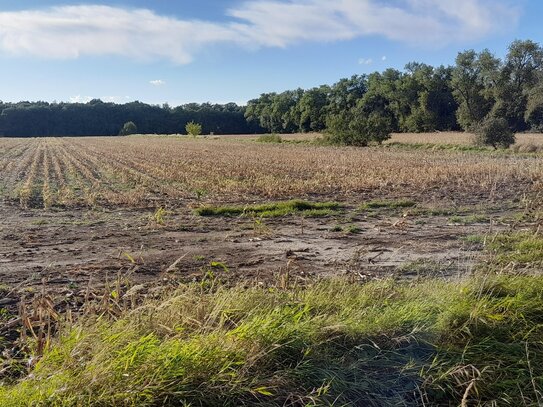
74	31
115	99
111	99
363	61
434	22
157	82
80	99
384	58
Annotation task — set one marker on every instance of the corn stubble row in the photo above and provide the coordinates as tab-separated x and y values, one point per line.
138	171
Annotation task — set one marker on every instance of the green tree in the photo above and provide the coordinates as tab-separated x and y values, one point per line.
259	111
520	74
311	109
345	94
534	108
470	81
371	120
193	129
495	132
128	128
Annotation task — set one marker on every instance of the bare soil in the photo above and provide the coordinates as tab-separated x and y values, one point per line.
67	251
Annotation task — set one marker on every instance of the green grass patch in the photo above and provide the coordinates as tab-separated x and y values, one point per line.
521	249
270	138
271	210
439	147
333	343
474	239
388	204
351	229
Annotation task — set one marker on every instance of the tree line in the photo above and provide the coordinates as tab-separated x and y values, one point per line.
480	91
98	118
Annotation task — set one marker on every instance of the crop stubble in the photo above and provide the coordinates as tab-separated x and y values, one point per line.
139	171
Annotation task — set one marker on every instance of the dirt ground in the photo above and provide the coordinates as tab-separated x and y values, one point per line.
68	250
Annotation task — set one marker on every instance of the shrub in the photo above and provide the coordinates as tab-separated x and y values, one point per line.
358	129
193	129
128	128
494	132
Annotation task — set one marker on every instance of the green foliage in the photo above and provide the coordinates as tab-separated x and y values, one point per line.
97	118
522	249
270	138
388	204
159	216
271	210
534	108
471	76
356	130
494	132
128	128
332	343
193	129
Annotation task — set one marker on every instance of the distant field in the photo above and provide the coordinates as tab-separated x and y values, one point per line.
446	137
144	170
458	138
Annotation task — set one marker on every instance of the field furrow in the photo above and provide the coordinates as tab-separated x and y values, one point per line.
29	192
142	170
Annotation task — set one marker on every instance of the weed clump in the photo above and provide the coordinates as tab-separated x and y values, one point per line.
386	204
271	210
520	250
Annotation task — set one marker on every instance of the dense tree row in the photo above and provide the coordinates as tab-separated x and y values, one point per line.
480	91
97	118
480	87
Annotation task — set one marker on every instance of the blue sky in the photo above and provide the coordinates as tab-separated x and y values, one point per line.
231	50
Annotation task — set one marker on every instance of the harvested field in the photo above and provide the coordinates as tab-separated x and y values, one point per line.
458	138
76	210
146	172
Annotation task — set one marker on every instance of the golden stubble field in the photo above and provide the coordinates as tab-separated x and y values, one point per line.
457	138
147	171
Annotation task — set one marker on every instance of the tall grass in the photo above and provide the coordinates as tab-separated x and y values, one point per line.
332	343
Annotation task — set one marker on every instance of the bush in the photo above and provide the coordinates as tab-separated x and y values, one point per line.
193	129
128	128
494	132
359	129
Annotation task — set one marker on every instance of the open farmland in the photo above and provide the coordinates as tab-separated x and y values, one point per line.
95	226
146	172
81	207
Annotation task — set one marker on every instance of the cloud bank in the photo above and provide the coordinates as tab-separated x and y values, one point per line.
141	34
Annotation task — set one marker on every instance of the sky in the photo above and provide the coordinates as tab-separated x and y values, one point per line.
181	51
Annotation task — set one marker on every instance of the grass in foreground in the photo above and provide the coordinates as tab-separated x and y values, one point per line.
520	250
334	343
271	210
